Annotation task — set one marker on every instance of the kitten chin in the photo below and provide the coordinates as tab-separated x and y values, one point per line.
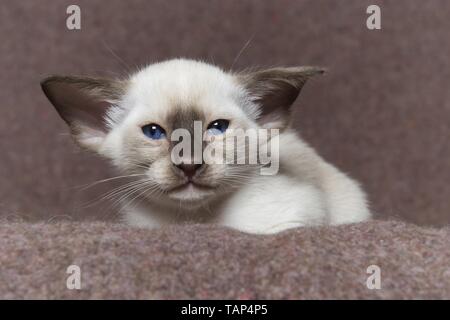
192	193
138	123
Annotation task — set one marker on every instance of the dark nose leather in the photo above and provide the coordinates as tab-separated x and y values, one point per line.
189	169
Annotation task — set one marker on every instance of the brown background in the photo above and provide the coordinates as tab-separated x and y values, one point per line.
381	113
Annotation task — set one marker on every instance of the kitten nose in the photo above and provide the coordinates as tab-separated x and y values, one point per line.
189	169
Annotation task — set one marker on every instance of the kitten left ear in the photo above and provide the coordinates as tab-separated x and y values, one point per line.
275	90
83	103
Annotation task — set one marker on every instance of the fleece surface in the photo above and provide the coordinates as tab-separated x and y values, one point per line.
207	262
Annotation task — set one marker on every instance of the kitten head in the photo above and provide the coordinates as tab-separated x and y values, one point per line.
139	122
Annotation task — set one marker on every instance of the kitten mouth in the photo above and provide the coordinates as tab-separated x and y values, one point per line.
192	185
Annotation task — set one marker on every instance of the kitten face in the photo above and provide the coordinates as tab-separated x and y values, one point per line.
133	122
199	93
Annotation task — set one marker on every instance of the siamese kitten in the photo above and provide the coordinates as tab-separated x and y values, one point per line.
132	123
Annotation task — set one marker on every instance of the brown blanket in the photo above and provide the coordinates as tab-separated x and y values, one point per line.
200	261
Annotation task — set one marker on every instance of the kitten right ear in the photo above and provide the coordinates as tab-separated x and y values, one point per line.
83	103
275	90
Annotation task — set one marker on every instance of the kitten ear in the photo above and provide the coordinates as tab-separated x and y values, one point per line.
275	90
83	103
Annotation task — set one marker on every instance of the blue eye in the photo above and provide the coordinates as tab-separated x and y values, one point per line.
153	131
218	127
